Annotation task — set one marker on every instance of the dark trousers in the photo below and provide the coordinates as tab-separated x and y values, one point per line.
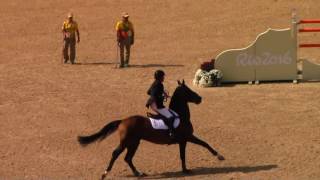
69	43
125	45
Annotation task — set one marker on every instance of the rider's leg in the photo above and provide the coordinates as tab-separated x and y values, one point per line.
169	119
153	106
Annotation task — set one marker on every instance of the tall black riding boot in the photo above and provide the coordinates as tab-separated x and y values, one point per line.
169	123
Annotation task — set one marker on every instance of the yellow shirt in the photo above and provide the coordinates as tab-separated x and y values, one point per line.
70	28
125	29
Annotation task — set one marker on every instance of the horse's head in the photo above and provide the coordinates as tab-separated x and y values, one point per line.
183	92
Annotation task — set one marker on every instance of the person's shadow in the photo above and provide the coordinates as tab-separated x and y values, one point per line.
211	171
130	65
95	63
154	65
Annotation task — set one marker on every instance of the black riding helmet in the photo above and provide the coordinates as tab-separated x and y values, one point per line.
158	75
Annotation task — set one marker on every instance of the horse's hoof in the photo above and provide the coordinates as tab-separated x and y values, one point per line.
139	174
186	171
221	158
104	175
144	174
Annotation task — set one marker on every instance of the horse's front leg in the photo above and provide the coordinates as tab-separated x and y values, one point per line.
182	146
200	142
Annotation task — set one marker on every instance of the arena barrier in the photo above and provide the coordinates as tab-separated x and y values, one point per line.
271	57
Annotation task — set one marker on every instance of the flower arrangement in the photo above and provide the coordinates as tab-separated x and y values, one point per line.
207	75
207	65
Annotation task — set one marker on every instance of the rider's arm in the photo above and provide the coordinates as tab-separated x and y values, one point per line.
153	106
166	94
154	92
157	90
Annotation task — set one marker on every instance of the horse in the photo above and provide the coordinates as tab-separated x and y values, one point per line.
136	128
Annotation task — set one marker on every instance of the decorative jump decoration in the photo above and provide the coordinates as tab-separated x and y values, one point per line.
272	56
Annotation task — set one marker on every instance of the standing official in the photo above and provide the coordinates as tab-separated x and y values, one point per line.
125	38
69	31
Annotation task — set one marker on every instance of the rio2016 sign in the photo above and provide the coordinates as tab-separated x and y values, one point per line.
266	59
272	56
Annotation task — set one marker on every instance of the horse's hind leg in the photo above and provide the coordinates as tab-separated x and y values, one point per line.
200	142
114	157
131	150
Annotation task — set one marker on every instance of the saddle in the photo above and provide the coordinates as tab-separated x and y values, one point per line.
155	116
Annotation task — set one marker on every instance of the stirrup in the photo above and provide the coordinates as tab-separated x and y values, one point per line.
171	133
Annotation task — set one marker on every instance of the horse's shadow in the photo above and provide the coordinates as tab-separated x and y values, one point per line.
211	171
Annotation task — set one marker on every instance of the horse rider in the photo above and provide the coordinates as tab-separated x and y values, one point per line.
69	31
125	38
155	102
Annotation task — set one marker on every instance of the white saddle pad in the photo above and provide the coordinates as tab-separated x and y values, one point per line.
159	124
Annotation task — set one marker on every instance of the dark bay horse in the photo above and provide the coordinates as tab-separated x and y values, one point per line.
135	128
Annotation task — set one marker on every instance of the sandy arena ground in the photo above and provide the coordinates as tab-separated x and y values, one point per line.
266	131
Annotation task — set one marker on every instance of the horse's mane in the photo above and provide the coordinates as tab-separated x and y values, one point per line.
174	97
180	105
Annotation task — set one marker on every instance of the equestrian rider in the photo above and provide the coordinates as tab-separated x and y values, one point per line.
157	96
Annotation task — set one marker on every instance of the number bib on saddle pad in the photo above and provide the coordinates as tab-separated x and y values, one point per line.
159	124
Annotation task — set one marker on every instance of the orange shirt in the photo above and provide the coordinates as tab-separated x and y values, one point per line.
125	29
70	28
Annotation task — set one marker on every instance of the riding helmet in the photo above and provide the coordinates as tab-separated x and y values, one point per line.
159	74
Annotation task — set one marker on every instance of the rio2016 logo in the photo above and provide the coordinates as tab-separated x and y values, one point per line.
265	59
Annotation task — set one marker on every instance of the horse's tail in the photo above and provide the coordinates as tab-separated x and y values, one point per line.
103	133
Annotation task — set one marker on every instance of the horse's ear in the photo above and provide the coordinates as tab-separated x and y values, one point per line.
179	82
183	81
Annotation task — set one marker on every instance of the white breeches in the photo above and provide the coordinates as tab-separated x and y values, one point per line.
163	111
